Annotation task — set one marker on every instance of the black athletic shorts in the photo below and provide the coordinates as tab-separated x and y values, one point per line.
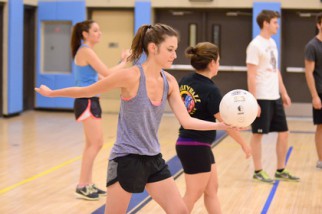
133	171
195	159
317	114
272	118
87	107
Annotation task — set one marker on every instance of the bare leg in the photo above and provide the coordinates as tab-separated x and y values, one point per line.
117	199
318	141
281	149
94	142
195	187
210	197
256	145
166	194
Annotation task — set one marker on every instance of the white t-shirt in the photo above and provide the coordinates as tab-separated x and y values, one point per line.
263	53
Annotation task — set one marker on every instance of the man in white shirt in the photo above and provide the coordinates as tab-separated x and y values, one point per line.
265	83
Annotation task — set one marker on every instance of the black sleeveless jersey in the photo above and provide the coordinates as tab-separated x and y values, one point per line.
201	97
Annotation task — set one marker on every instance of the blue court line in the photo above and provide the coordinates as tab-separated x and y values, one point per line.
139	200
273	190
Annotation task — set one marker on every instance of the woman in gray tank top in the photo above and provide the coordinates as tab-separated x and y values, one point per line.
135	162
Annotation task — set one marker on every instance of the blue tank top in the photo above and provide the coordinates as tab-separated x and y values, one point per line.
85	75
138	122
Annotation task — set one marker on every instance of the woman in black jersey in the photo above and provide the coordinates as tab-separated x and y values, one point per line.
201	98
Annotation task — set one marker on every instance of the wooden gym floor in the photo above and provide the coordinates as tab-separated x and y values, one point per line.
40	154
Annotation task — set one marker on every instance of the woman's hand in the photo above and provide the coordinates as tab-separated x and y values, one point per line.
44	91
125	54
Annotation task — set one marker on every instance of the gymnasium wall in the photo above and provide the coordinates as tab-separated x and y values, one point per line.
12	45
58	14
12	57
12	94
285	4
290	4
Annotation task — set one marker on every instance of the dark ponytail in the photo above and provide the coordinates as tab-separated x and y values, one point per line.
77	35
202	54
137	46
149	34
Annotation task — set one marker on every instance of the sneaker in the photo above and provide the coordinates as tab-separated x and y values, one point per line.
286	176
99	191
87	192
263	176
319	164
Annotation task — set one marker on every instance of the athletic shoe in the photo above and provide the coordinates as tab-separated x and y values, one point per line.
87	192
286	176
319	164
263	176
99	191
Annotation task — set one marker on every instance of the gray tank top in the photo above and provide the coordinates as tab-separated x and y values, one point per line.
138	122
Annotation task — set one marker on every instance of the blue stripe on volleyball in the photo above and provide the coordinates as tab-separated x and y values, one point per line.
139	200
274	188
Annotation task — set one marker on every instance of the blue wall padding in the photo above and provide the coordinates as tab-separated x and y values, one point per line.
15	57
142	15
73	11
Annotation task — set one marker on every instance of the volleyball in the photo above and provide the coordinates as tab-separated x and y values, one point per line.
238	108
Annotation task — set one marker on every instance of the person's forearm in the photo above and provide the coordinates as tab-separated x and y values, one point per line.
202	125
74	92
251	78
236	136
281	85
251	86
311	84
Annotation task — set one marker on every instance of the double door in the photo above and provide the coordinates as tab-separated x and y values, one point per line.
298	28
230	30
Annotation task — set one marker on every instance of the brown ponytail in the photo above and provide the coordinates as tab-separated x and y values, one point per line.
149	34
202	54
77	35
137	46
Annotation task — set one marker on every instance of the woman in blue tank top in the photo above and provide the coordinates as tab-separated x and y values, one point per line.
88	67
135	162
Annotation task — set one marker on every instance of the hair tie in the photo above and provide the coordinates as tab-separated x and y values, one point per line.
149	26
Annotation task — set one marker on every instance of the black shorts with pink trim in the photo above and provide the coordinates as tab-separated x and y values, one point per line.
87	107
